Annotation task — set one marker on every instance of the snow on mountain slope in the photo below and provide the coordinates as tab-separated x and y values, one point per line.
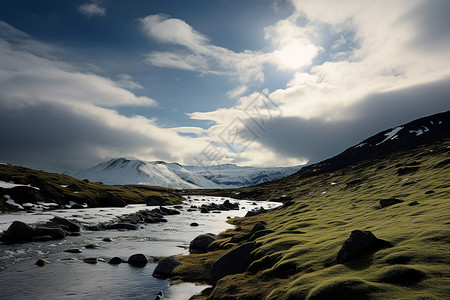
123	171
173	175
233	176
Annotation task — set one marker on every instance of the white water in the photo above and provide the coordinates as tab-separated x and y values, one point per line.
68	277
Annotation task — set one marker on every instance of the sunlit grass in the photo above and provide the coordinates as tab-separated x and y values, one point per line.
298	260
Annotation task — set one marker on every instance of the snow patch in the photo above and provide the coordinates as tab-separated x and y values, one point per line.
12	202
360	145
420	131
391	134
10	185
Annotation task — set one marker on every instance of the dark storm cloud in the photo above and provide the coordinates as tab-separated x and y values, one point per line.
432	24
54	138
316	139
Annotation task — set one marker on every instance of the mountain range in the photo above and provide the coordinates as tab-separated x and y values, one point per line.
121	171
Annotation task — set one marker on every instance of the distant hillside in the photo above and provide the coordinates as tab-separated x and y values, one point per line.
20	185
420	132
121	171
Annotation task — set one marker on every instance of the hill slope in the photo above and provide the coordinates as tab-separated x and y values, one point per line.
64	190
296	256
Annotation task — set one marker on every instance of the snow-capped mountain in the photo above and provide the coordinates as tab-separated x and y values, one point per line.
122	171
233	176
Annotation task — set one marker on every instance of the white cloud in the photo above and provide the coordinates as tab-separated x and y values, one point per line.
237	92
68	117
126	82
91	9
378	55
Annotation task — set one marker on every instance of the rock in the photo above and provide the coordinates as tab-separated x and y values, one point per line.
169	211
159	296
155	200
413	203
152	220
126	226
74	187
91	260
229	205
41	262
232	262
107	239
55	233
252	213
178	206
359	242
194	224
92	246
111	200
389	202
165	267
115	261
71	225
204	210
73	234
202	242
137	260
18	232
41	238
260	233
73	250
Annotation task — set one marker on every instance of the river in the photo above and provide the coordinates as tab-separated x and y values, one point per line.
68	277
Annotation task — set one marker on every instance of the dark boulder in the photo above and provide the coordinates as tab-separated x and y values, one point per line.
92	246
202	242
74	187
41	238
169	211
137	260
71	225
91	260
232	262
193	224
41	262
165	267
55	233
111	200
227	204
155	200
73	250
204	210
115	261
260	233
389	202
359	242
18	232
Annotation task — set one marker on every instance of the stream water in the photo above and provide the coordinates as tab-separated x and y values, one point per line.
68	277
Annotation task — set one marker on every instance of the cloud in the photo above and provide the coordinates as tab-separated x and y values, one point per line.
91	9
237	92
126	82
55	117
371	75
197	53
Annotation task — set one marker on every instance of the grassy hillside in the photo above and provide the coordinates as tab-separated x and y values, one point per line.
93	193
298	260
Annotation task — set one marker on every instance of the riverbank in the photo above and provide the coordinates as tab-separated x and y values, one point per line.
67	276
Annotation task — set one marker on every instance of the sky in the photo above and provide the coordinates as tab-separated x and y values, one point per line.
252	82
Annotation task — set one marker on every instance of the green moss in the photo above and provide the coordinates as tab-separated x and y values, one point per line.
298	260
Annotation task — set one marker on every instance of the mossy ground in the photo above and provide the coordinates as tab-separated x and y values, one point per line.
92	193
297	260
